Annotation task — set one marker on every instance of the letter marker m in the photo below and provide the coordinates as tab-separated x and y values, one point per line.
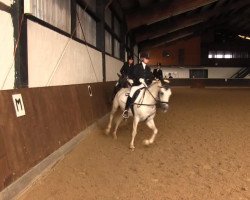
18	104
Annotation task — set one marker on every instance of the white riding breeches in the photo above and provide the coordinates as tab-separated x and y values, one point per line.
134	88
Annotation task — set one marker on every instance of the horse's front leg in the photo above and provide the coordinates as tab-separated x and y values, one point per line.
151	124
134	132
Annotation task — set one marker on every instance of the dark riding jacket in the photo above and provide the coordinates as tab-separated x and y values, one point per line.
158	73
140	72
127	70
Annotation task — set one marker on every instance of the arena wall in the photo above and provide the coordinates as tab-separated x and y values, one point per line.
54	115
213	72
191	58
201	83
7	49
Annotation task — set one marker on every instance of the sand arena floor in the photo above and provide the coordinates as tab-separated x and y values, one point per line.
202	152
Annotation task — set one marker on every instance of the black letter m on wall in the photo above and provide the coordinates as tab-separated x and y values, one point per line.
18	102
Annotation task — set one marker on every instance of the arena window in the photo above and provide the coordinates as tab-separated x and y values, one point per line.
228	55
116	48
117	27
112	34
88	25
108	17
108	42
56	12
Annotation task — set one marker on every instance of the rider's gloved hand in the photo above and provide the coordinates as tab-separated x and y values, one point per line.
130	81
143	81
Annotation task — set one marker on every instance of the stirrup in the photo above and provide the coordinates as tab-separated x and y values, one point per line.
125	114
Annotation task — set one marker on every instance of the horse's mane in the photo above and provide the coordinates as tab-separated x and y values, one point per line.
153	83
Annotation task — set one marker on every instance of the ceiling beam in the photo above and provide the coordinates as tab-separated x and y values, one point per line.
162	11
167	27
177	23
169	37
187	32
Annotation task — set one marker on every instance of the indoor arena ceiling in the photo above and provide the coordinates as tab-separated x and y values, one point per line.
157	22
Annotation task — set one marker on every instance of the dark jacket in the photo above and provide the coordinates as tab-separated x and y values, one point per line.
140	72
127	70
155	73
159	74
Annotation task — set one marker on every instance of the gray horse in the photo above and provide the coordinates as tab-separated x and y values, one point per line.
144	108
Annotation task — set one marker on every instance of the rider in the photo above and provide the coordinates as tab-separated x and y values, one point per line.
127	68
158	72
126	72
142	77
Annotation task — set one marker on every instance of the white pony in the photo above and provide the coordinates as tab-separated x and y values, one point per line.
144	108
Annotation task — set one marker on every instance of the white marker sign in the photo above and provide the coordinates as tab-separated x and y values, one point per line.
18	104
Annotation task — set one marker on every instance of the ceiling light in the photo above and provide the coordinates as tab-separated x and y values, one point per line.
244	37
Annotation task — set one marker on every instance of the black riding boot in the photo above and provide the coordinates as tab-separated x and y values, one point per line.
127	106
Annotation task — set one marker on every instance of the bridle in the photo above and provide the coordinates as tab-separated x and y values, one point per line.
157	100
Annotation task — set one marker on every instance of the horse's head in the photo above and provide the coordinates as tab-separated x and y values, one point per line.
164	94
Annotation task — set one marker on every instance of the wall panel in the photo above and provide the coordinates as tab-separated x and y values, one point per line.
54	59
6	50
113	67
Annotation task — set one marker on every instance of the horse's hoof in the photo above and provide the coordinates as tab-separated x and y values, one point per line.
106	132
114	137
132	147
146	142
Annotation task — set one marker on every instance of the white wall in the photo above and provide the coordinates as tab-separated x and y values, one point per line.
54	59
213	72
113	67
221	72
176	72
7	65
